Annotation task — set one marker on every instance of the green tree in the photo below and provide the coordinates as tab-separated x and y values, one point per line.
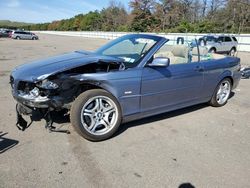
143	20
114	17
90	21
202	16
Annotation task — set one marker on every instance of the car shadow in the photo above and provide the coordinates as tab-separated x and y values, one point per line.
186	185
159	117
6	143
58	117
162	116
231	94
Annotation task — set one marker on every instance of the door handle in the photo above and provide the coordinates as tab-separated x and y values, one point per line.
199	69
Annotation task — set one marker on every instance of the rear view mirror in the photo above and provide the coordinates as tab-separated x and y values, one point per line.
160	62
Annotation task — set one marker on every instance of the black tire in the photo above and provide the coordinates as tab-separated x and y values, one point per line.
212	50
33	38
18	38
214	102
77	114
232	52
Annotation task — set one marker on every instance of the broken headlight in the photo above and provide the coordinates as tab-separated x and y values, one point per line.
46	84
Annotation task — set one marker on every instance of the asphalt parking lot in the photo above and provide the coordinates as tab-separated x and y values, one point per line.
200	146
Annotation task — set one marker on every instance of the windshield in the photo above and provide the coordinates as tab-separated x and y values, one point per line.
130	48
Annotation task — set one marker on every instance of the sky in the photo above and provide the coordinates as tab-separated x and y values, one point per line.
40	11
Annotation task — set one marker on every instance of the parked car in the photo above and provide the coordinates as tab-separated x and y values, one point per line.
245	72
225	44
5	33
23	35
132	77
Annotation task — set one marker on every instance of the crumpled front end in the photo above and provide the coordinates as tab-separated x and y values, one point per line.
55	91
29	94
31	97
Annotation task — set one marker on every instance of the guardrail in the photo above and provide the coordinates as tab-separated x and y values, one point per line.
243	39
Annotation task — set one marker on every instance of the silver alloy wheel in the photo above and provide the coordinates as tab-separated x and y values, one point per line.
99	115
223	92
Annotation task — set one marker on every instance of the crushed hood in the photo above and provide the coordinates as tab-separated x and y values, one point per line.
41	69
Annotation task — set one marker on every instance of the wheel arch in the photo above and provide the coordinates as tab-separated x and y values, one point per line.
213	48
85	86
235	48
226	74
231	79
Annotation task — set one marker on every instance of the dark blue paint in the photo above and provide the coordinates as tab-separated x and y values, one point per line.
143	91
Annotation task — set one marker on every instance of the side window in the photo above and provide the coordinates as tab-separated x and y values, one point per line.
177	54
234	38
189	52
221	39
228	39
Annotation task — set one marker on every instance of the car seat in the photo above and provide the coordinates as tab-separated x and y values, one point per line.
176	53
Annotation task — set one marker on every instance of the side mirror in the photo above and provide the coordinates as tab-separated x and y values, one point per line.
160	62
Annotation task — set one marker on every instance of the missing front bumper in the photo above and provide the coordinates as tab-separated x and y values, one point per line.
21	123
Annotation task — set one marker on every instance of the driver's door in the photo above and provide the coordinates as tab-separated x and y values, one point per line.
168	87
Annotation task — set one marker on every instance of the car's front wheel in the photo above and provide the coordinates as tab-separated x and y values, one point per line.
95	115
222	93
232	52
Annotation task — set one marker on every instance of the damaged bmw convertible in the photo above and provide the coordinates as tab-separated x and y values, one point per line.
132	77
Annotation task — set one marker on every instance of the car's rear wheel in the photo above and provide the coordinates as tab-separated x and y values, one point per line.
232	52
95	115
222	93
18	38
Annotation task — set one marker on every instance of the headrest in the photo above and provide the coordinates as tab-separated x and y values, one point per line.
180	51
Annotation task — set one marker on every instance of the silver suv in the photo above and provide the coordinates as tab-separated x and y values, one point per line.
224	44
24	35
